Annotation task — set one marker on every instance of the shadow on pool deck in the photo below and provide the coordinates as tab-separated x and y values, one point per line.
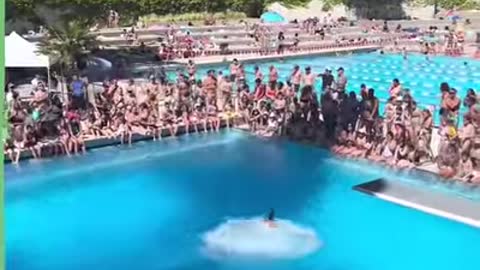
450	207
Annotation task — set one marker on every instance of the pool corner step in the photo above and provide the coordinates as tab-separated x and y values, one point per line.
431	202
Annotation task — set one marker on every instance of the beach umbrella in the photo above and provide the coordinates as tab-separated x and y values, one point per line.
272	17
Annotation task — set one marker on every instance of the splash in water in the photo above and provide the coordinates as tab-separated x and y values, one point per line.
255	238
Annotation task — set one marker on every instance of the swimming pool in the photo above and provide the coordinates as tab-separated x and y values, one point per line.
377	71
145	207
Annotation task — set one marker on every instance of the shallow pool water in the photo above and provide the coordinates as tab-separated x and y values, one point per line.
147	207
377	71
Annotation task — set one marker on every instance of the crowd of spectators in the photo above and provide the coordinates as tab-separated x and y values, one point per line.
354	127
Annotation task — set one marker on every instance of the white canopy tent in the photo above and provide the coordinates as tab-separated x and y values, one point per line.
20	53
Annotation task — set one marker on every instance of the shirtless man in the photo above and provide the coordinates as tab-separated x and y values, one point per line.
309	78
258	73
451	104
210	84
341	80
296	78
191	69
234	70
272	77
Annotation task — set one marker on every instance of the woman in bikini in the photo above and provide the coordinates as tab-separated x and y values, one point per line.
234	66
258	73
449	158
124	131
213	118
201	116
395	89
270	93
94	124
401	155
65	140
360	144
131	116
389	148
375	153
31	143
260	91
75	136
466	135
341	142
169	121
18	142
349	146
229	116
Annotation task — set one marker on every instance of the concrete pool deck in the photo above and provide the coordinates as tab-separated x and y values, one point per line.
444	205
218	59
104	141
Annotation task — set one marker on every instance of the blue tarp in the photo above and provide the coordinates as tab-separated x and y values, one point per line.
272	17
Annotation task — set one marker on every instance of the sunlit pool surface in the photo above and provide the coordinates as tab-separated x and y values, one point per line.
146	207
377	71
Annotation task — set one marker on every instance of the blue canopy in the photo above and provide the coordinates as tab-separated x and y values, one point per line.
272	17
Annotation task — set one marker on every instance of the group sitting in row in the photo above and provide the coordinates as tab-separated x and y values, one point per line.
402	137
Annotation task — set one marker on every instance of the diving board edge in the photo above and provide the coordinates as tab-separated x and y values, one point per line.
364	188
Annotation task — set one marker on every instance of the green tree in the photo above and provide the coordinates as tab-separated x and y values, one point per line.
130	9
67	44
448	4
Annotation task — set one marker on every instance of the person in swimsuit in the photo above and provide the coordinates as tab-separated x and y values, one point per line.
296	78
191	69
234	70
309	77
258	73
395	89
389	148
273	77
260	90
402	155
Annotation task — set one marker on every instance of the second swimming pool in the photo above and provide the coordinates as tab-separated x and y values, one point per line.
423	77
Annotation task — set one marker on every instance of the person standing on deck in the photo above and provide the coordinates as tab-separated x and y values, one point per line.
327	79
341	80
234	70
210	84
395	89
191	69
258	73
78	92
296	78
309	78
273	77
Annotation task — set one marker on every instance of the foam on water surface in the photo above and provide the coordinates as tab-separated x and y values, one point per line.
254	238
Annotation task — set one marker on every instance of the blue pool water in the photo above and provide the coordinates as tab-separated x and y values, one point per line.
377	71
146	207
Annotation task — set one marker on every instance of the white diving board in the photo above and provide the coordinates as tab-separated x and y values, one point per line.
444	205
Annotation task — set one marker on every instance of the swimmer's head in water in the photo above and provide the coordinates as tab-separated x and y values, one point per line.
250	238
271	215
